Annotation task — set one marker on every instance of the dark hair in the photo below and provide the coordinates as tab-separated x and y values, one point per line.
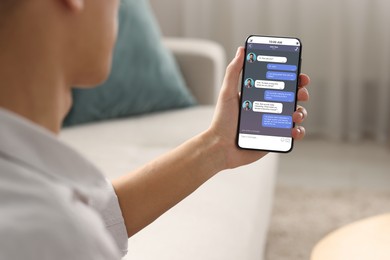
8	5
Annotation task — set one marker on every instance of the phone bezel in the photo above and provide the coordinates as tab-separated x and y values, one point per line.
242	88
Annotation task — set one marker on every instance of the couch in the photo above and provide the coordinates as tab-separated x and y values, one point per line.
225	219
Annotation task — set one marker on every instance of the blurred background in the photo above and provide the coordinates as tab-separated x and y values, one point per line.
341	172
346	52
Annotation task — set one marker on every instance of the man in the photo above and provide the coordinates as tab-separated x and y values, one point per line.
248	83
53	203
251	58
247	106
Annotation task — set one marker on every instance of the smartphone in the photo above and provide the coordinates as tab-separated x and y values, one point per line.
269	93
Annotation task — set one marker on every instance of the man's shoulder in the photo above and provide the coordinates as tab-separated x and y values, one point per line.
43	220
25	192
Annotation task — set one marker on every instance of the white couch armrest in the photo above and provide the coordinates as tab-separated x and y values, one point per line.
202	63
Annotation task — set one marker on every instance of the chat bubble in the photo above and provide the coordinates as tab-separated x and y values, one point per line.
277	121
267	107
276	75
281	96
272	59
269	84
282	67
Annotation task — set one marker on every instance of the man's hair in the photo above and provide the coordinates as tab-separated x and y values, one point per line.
8	8
7	5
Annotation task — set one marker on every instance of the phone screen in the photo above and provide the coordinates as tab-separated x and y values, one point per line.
268	93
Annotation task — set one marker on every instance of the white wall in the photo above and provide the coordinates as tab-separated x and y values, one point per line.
346	51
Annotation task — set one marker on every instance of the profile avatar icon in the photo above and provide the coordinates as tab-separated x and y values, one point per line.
247	105
249	83
251	58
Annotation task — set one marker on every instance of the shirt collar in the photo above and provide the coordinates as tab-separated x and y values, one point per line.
35	147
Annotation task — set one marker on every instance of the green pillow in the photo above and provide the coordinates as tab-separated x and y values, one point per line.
144	77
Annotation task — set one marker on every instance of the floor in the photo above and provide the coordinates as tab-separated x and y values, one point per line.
323	186
323	164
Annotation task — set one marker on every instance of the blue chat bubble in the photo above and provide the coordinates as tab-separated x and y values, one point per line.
280	96
277	121
272	66
276	75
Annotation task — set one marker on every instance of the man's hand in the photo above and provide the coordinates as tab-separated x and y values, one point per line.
224	125
151	190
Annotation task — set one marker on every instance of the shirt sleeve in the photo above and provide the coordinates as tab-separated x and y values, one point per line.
45	223
113	219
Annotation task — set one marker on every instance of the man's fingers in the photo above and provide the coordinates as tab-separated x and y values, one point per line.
304	80
300	115
298	132
303	94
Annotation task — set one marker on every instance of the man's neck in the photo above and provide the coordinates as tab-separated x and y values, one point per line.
46	107
33	81
34	88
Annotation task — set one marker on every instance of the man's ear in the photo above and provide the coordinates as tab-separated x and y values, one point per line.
74	5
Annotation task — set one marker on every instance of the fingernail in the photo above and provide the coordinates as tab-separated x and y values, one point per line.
299	130
301	115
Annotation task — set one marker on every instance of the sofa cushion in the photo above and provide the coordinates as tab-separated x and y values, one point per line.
144	78
227	218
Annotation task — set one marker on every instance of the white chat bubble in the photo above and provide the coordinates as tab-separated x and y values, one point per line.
267	107
275	59
269	84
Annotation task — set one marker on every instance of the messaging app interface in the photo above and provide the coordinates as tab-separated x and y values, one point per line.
268	94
